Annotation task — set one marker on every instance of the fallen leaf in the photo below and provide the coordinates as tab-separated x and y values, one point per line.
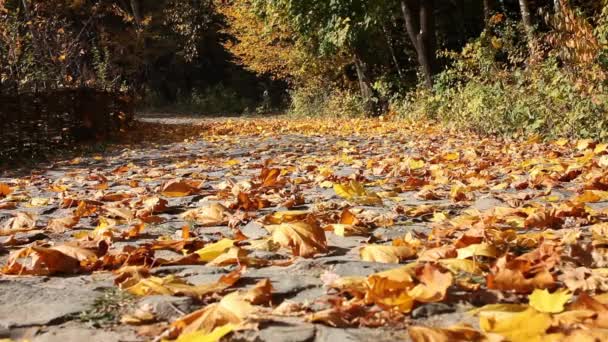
302	238
214	250
212	215
543	301
386	254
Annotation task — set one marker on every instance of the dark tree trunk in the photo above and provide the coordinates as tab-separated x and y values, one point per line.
136	11
488	8
420	27
364	82
391	49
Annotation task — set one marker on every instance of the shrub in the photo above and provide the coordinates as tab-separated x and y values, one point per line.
490	88
316	101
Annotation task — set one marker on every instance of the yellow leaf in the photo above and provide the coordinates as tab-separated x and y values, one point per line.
524	326
156	285
386	254
544	301
498	309
458	333
286	216
214	250
461	265
232	309
349	190
591	196
39	201
451	156
214	336
354	191
414	164
482	249
346	229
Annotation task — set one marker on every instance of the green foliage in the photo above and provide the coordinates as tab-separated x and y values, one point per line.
319	101
217	99
492	88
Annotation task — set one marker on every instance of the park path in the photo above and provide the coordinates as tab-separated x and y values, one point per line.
296	201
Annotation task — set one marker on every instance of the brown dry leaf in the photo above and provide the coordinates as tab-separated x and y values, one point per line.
128	276
115	197
345	230
304	239
173	285
48	261
457	333
232	309
433	284
347	217
21	222
260	294
543	218
85	209
212	215
386	254
177	188
389	288
270	178
512	279
151	205
63	224
285	216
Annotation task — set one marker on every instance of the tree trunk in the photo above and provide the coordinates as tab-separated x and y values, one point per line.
426	40
136	12
420	27
526	18
364	82
488	9
391	49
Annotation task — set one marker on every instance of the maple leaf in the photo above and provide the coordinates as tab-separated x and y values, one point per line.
260	294
346	230
279	217
519	326
214	250
232	309
354	191
62	224
433	284
177	188
458	333
48	261
213	336
173	285
386	254
211	215
21	222
543	301
304	239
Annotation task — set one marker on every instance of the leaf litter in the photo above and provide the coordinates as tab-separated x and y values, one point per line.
509	235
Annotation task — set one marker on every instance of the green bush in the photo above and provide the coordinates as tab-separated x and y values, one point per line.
318	101
216	99
491	89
